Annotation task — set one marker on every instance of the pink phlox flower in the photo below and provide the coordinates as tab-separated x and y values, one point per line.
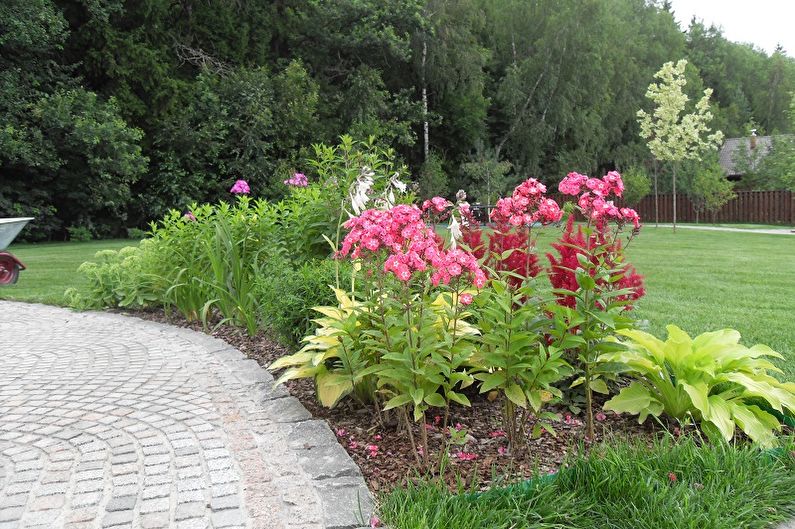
572	184
190	216
465	456
630	215
502	450
437	419
466	298
568	419
377	437
375	521
240	188
297	180
353	445
372	450
672	477
497	433
600	416
459	426
614	183
341	432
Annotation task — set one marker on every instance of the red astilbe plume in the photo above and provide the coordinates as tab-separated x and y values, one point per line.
521	261
561	273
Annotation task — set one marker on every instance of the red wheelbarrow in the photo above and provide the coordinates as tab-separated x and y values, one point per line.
10	265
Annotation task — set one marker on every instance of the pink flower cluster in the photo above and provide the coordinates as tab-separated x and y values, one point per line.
436	204
297	180
526	206
412	245
593	200
240	188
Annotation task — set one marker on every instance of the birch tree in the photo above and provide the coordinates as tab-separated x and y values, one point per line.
671	133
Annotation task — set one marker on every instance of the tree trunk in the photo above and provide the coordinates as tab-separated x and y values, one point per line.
425	134
674	195
656	199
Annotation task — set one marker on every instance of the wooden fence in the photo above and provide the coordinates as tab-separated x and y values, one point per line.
753	207
762	207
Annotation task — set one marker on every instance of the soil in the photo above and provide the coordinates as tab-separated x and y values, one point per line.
381	446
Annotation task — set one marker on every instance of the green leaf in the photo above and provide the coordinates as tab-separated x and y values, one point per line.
394	402
633	399
416	396
434	399
600	386
516	395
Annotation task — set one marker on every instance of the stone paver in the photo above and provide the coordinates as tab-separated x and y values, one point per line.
108	421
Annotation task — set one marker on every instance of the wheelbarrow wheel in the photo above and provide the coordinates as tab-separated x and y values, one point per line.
9	270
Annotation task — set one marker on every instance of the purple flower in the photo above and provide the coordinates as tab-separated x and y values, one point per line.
240	188
190	216
297	180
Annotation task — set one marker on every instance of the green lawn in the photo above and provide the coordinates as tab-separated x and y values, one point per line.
52	268
683	485
699	280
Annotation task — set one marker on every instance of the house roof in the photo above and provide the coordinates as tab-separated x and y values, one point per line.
732	145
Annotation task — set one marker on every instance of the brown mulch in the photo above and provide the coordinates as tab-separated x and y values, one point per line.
484	458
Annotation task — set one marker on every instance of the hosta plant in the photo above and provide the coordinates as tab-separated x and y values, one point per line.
711	379
334	355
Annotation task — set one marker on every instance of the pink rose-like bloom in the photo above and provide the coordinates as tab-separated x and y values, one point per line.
240	188
297	180
466	298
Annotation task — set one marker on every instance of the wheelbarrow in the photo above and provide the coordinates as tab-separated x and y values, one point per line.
10	265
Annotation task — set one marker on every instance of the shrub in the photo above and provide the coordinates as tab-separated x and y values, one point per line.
287	294
79	233
711	379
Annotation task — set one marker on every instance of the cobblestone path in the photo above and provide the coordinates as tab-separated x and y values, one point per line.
108	421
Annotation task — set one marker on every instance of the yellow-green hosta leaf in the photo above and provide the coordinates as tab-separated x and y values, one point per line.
332	312
654	346
719	413
296	372
756	423
634	399
331	387
699	396
291	360
343	299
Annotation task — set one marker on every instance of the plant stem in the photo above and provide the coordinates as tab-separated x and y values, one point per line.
411	435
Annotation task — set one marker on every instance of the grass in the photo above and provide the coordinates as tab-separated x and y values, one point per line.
620	485
52	268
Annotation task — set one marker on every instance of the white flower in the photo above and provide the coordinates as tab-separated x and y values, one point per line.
395	181
359	192
455	231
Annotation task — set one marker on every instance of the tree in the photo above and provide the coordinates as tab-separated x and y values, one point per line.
707	186
671	133
636	184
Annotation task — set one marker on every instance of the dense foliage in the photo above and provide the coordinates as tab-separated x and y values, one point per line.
113	112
